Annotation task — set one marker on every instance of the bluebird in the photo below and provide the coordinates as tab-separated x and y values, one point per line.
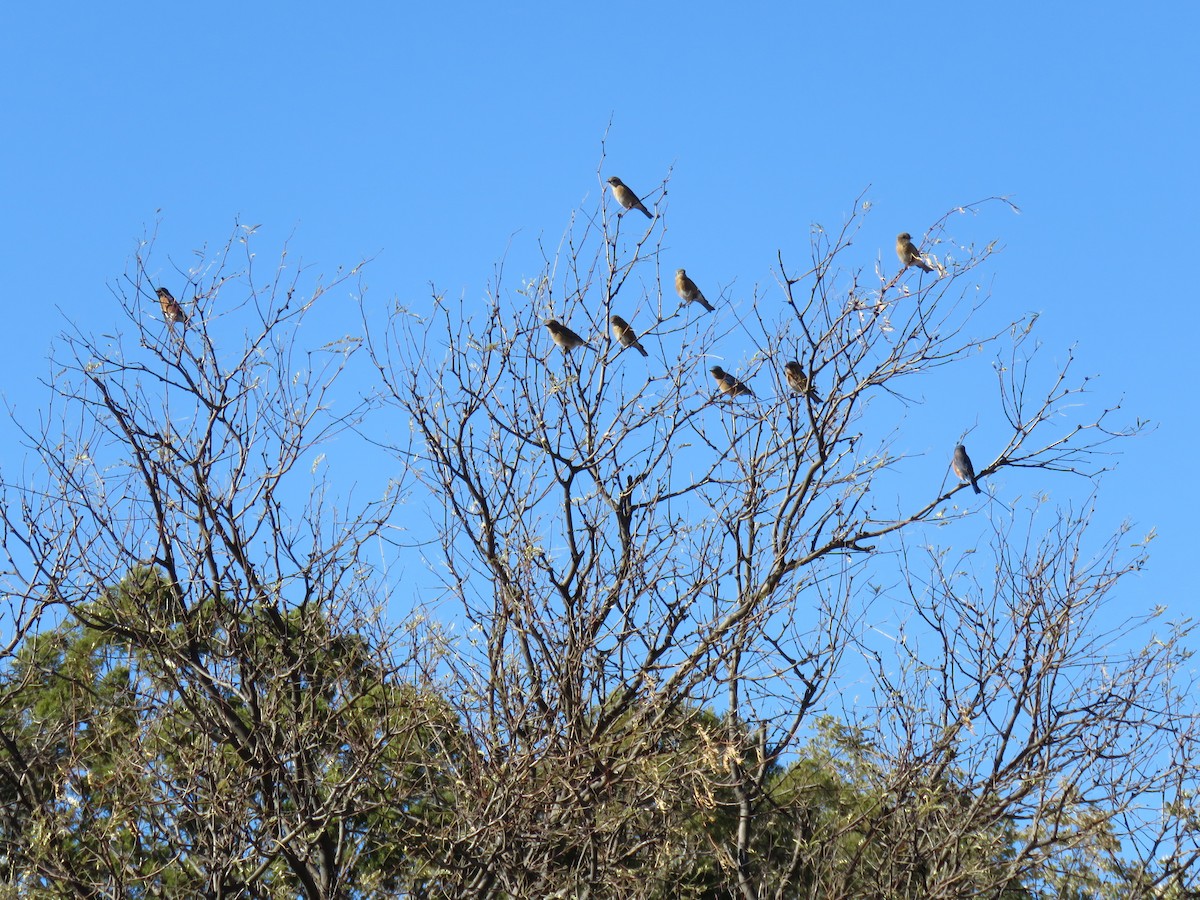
172	311
626	335
798	381
687	290
626	197
909	254
963	468
565	337
728	385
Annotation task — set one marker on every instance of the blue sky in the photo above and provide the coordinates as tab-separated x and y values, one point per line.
438	140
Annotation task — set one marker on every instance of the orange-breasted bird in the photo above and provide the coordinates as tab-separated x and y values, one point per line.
172	311
963	468
687	290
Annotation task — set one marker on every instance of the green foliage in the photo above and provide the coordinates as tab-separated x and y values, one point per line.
126	740
114	782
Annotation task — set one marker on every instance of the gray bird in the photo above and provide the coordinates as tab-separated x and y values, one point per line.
626	197
909	254
963	468
728	385
172	311
798	381
687	290
565	337
625	334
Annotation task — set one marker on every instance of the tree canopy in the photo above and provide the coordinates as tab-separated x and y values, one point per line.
657	662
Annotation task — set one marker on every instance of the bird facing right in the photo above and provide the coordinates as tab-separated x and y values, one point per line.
627	198
963	468
565	337
687	290
728	385
624	333
909	254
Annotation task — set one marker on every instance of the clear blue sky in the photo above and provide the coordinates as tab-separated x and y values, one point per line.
435	139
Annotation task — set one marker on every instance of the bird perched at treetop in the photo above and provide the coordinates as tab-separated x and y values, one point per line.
687	290
728	385
626	197
909	254
565	337
172	311
625	334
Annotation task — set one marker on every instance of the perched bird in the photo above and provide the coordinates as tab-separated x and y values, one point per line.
728	385
909	254
565	337
963	468
687	290
626	335
798	381
172	311
626	197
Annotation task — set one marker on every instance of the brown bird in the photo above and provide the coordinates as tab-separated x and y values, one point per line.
798	381
626	335
626	197
565	337
909	254
687	290
728	385
172	311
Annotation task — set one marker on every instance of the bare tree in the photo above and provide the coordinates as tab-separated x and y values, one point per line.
697	636
221	618
630	546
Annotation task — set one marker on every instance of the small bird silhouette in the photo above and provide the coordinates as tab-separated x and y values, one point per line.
728	385
626	197
687	290
909	254
172	311
565	337
963	468
798	381
626	335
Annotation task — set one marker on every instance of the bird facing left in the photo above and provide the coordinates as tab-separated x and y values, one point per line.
565	337
171	309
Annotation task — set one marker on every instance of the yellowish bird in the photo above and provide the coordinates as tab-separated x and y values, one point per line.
565	337
909	254
626	197
625	334
728	385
